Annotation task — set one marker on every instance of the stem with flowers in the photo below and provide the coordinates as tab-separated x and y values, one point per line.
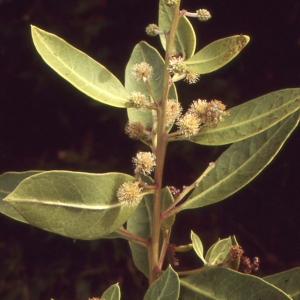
136	207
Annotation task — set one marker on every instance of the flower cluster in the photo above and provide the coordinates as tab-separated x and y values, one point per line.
136	130
173	111
138	100
201	113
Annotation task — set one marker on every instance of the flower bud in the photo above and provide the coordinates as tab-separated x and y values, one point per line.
153	30
203	14
170	2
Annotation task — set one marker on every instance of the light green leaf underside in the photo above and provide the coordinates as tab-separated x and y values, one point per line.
144	52
73	204
222	283
79	69
166	287
217	54
288	281
8	182
185	38
197	245
252	117
240	163
140	223
218	252
112	293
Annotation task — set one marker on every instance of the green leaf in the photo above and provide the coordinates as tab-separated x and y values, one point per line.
73	204
79	69
144	52
112	293
140	223
166	287
218	252
251	118
167	200
217	54
8	182
220	283
288	281
197	245
185	38
240	163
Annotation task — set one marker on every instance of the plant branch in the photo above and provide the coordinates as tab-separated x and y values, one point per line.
161	151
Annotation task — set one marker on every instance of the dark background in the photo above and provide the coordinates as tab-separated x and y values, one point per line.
46	124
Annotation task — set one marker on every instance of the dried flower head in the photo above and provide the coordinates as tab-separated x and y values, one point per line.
173	111
145	162
135	130
142	71
215	111
192	77
188	124
152	30
235	252
138	100
203	14
129	193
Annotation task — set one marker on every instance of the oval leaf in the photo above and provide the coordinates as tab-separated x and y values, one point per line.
79	69
112	293
197	245
240	163
288	281
8	182
217	54
185	38
251	118
73	204
218	252
166	287
140	223
144	52
221	283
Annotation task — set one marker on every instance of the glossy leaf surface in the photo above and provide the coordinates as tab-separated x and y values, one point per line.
112	293
143	52
288	281
221	283
185	38
166	287
8	182
217	54
79	69
73	204
251	118
240	163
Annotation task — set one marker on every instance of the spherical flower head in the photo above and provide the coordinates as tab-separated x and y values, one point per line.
173	111
192	77
203	14
135	130
188	124
142	71
176	65
145	161
152	30
138	100
129	193
215	112
170	2
199	109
